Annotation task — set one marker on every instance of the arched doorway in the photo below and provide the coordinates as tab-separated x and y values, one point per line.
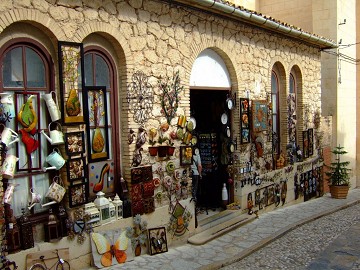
210	88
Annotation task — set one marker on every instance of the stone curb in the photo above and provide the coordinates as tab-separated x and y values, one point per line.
275	236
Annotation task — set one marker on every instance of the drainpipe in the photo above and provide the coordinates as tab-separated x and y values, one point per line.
261	21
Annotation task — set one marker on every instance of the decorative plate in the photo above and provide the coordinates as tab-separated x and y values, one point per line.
194	140
224	118
180	133
170	167
156	182
230	103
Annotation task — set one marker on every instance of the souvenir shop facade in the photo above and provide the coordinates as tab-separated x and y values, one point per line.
89	91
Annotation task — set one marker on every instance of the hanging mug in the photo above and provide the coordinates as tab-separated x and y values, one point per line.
55	160
56	135
8	167
52	106
8	136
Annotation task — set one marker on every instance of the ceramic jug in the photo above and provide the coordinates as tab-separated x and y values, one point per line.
8	136
56	135
8	167
55	160
52	106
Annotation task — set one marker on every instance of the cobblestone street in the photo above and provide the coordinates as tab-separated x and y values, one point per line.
330	242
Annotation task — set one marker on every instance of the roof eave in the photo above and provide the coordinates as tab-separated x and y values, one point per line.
252	18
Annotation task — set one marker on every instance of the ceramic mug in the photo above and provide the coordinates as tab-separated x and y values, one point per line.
55	160
8	167
8	135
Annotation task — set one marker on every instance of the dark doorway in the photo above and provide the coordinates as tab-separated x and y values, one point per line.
207	106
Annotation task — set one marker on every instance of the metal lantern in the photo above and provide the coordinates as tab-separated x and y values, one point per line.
103	205
94	214
52	232
13	237
118	207
26	232
112	210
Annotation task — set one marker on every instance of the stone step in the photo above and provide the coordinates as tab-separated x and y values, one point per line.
214	226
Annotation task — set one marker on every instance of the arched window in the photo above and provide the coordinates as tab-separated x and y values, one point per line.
26	75
100	71
275	112
292	109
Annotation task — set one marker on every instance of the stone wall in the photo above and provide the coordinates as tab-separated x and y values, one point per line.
159	39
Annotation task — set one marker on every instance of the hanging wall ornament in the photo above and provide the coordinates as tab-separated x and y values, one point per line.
27	116
140	97
170	88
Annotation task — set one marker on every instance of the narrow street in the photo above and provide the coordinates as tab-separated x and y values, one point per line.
330	242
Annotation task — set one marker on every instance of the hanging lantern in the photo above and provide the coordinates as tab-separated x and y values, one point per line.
26	232
52	228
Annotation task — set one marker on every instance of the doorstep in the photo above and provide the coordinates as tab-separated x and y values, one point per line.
216	225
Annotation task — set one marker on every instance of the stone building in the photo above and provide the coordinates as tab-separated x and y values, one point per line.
148	65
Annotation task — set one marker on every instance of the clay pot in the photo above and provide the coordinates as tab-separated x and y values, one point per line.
162	151
153	150
170	150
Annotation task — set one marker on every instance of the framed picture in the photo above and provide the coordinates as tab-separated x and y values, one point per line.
311	141
157	241
305	144
78	194
76	169
185	155
97	124
244	121
71	74
259	110
74	143
27	108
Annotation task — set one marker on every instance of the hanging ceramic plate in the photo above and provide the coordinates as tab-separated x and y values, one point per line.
177	174
230	103
170	167
180	133
193	120
194	140
156	182
190	126
228	131
224	118
231	147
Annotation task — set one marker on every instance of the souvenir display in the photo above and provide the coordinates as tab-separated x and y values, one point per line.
8	136
71	78
55	160
9	166
179	220
157	241
52	106
224	118
185	155
97	123
311	141
56	135
140	97
27	116
306	144
56	190
7	108
244	121
170	89
78	194
259	110
110	248
74	143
